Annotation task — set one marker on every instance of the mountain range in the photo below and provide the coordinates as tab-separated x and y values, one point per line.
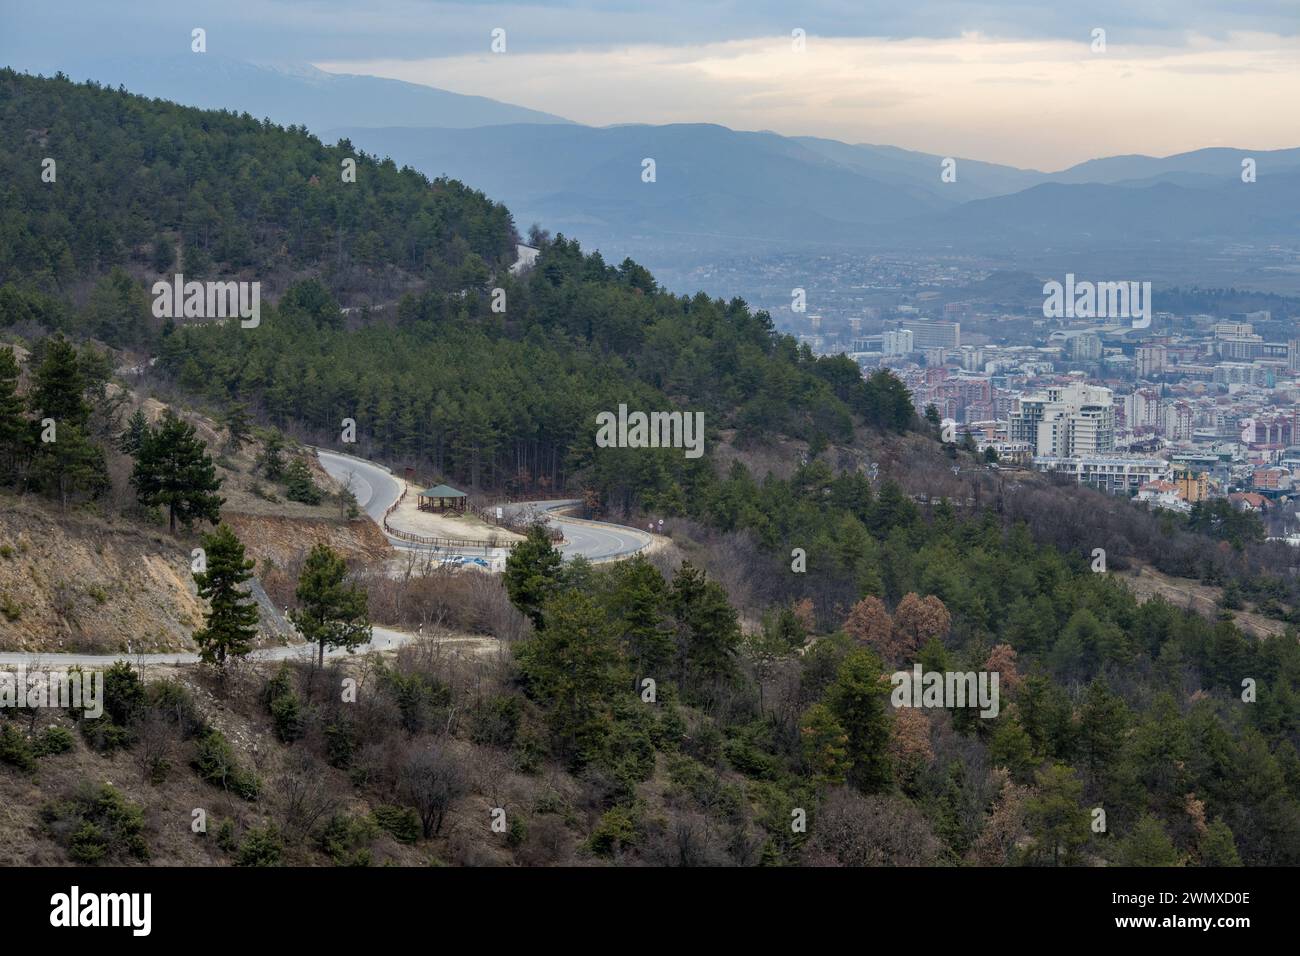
719	188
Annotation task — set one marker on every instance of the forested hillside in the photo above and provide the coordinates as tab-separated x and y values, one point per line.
768	701
151	186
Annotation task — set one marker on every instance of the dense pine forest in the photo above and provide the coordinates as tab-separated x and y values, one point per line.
145	184
1135	709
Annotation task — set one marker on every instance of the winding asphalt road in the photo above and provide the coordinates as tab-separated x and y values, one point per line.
376	489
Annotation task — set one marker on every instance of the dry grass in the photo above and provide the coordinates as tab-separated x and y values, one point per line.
1147	583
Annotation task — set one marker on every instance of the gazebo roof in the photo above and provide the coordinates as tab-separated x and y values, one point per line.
442	491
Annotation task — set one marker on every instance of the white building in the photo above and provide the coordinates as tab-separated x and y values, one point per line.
897	342
1066	421
1112	474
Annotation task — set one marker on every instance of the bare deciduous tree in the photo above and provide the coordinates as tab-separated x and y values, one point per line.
430	781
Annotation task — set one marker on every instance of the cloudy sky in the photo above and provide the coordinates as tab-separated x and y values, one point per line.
1014	81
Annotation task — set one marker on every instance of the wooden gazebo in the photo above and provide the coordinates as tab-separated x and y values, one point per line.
442	498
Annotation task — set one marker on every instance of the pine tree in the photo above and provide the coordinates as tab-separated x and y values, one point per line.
239	425
1057	822
858	700
330	613
1218	848
173	469
533	574
15	433
69	464
298	484
637	601
232	618
271	461
1010	747
164	254
134	434
1103	723
708	633
64	459
1147	845
572	667
825	745
59	385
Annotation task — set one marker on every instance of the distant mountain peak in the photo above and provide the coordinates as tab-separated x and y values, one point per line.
295	93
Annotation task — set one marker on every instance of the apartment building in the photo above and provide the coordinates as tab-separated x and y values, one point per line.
1106	473
932	333
1066	421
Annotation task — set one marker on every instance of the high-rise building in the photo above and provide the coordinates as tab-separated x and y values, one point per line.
1142	409
932	334
1066	421
1152	360
1085	347
1232	330
897	342
1179	421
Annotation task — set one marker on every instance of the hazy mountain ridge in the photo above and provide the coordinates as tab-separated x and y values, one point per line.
716	187
713	181
297	94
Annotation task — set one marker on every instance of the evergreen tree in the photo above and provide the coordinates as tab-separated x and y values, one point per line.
708	634
825	745
239	426
271	460
164	254
858	699
533	574
1147	845
637	601
59	384
134	434
118	309
64	459
172	469
1103	722
572	667
1011	747
232	617
330	613
1057	823
15	432
68	464
1218	848
298	484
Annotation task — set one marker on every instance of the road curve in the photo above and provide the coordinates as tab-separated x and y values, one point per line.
374	485
376	489
594	540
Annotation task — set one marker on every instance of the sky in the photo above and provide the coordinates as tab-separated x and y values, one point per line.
1020	82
